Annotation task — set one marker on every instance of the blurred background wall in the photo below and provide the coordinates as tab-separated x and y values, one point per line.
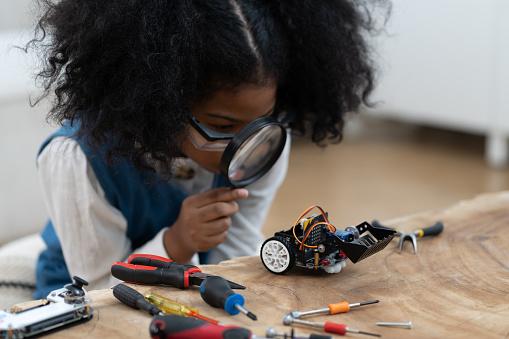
15	15
442	101
438	133
22	128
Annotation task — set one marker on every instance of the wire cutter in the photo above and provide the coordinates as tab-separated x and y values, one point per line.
436	229
155	270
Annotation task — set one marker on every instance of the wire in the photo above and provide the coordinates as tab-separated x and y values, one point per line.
309	209
326	222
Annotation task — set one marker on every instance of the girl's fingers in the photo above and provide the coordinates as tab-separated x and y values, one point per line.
216	227
218	195
217	210
213	241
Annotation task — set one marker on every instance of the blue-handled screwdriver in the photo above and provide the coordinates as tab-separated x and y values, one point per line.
216	292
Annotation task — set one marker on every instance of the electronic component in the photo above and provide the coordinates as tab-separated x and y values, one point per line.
64	306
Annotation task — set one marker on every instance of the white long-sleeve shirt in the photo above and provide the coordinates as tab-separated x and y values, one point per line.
92	232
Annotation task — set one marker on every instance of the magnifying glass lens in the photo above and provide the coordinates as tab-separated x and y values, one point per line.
256	155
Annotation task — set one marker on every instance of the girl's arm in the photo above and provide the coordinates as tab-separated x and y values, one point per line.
245	236
92	233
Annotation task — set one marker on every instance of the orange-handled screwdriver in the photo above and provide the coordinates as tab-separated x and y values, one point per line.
340	307
328	326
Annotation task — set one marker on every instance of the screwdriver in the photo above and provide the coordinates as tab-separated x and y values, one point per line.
341	307
328	326
272	333
132	298
216	292
177	327
169	306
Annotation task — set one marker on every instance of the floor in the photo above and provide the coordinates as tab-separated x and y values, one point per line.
382	170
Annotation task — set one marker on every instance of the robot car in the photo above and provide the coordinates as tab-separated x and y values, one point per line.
313	243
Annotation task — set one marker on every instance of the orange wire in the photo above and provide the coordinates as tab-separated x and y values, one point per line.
309	209
302	243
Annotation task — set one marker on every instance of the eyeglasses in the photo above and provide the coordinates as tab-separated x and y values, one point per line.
208	139
248	154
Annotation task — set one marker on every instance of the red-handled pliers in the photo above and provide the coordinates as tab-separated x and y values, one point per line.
155	270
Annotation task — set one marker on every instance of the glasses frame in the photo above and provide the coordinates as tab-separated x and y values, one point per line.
209	133
239	138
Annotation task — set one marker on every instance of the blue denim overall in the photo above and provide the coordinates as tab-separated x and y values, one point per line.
147	202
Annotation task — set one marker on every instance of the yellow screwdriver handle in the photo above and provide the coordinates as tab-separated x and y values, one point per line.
169	306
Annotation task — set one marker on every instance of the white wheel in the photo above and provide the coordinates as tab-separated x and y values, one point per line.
276	256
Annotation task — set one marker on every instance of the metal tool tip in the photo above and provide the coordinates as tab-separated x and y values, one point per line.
371	334
369	302
295	314
271	332
251	315
235	286
288	320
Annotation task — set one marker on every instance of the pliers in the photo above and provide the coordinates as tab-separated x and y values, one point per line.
436	229
156	270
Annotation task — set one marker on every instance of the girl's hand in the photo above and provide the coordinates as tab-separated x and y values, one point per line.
202	223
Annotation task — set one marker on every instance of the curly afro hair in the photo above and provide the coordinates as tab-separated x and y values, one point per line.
128	70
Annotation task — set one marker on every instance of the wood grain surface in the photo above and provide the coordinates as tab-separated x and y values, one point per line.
456	287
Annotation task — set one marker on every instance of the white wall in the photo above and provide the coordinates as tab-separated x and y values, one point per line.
22	128
446	63
16	14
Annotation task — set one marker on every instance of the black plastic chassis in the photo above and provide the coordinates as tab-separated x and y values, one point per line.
371	240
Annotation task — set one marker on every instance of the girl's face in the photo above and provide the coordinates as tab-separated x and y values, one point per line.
228	111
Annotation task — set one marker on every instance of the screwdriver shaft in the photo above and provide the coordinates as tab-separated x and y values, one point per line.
340	307
248	313
297	314
364	303
354	330
328	327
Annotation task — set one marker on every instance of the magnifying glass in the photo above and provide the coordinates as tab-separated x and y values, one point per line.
247	155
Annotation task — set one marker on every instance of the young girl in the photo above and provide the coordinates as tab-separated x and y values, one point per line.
137	82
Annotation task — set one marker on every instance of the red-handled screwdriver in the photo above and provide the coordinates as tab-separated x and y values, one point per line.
177	327
328	326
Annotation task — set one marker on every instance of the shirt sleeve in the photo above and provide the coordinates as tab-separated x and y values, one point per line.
92	232
245	235
156	247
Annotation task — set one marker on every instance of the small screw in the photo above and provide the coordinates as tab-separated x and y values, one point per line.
406	324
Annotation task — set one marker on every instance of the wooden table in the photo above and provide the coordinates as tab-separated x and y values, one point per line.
456	287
